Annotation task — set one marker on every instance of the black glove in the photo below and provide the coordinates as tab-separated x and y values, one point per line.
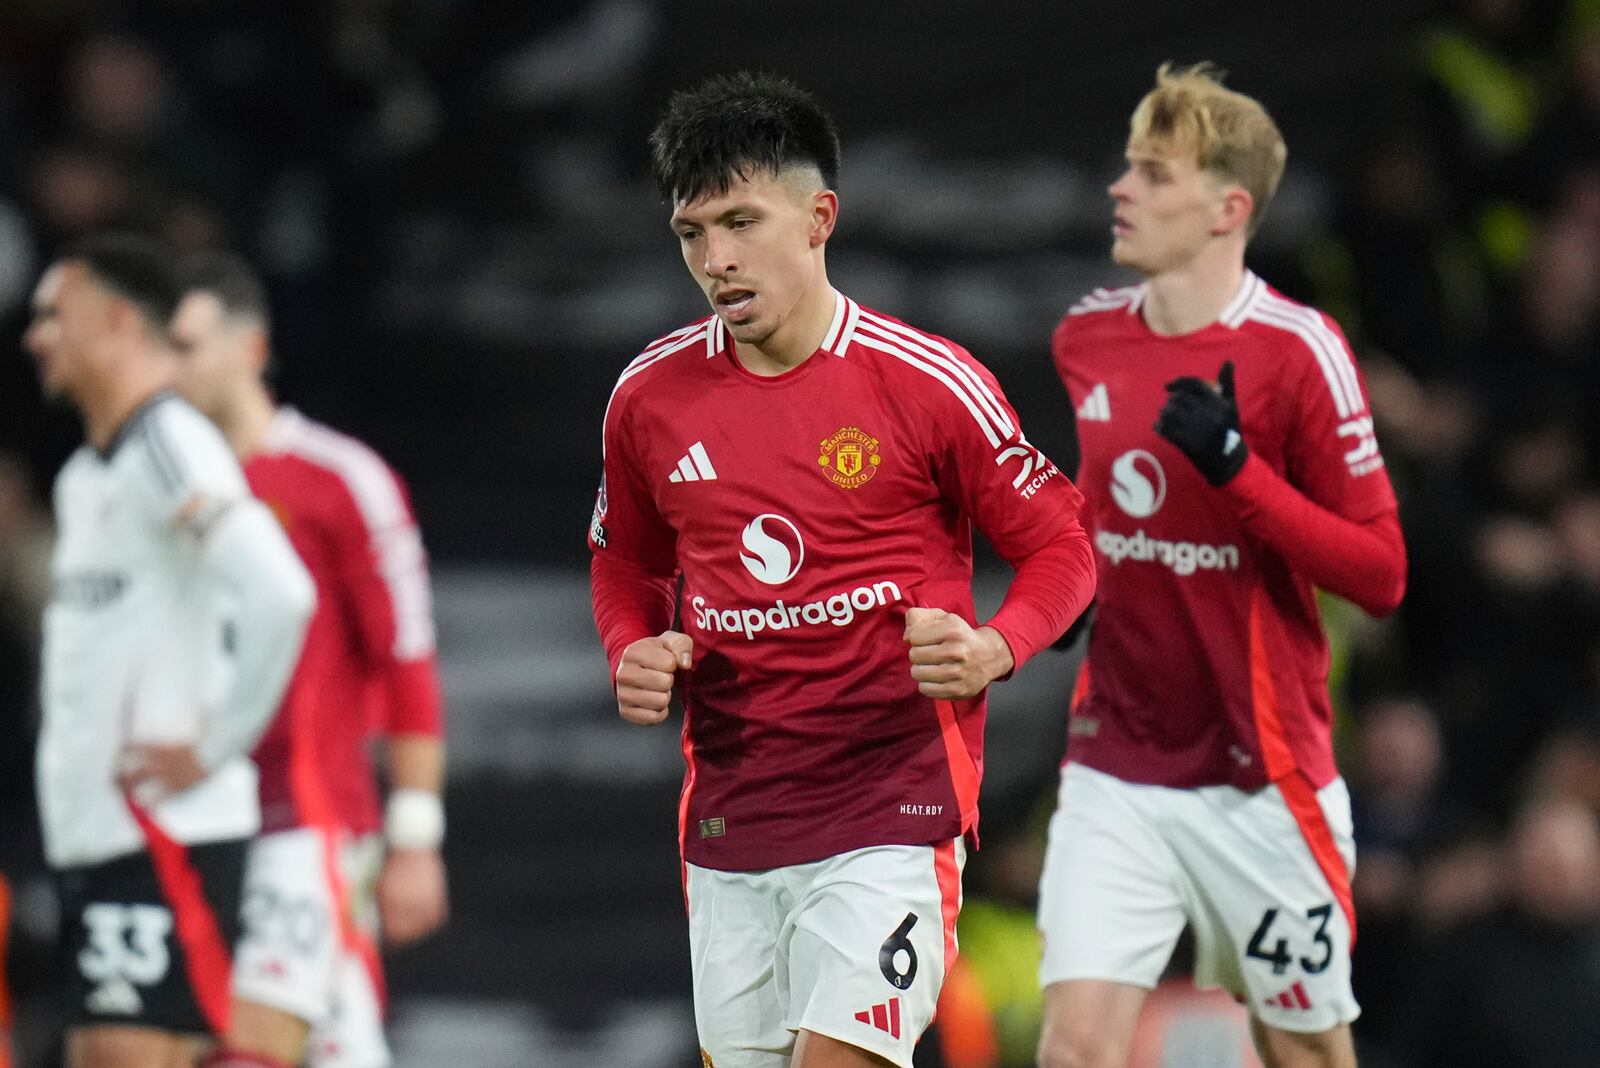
1204	422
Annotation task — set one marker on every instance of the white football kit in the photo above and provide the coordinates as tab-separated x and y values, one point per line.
176	615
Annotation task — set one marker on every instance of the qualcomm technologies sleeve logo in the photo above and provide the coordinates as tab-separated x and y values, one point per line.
773	549
1138	484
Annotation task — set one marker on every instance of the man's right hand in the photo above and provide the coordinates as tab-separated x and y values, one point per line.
645	676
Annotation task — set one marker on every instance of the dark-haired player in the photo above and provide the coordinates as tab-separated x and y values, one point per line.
812	470
307	978
1229	467
176	615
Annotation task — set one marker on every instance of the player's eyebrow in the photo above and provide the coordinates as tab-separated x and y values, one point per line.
678	221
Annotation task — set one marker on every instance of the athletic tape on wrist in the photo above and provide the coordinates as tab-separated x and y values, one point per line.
414	819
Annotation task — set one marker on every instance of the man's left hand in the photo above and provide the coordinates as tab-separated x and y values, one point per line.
151	773
950	659
1203	421
413	900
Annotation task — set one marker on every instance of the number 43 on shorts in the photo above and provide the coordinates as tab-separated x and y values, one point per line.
1279	956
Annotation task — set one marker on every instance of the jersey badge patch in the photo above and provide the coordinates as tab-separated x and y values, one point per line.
849	457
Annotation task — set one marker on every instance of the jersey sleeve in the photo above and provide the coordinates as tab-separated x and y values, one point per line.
626	521
1020	501
382	570
1018	498
633	570
1331	450
185	473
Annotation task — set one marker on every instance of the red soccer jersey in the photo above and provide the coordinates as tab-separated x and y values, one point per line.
1208	663
369	655
806	512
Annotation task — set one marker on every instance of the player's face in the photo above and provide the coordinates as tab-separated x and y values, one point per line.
1167	210
214	355
753	249
70	319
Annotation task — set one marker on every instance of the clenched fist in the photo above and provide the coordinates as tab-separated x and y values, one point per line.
645	676
950	659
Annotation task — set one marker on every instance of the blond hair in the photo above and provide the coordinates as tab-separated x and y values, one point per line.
1228	134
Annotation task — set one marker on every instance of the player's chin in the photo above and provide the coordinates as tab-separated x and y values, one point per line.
1124	255
748	331
51	386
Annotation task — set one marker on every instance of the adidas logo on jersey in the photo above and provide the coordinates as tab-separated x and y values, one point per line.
1293	998
694	466
1096	407
885	1017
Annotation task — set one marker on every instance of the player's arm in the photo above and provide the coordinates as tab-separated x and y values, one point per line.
1334	519
1028	510
383	577
245	549
1069	453
195	491
633	582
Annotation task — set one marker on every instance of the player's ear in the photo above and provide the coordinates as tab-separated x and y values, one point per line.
1233	210
824	216
260	352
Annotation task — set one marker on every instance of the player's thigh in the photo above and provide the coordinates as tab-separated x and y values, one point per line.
868	943
118	1046
1272	925
290	938
812	1050
352	1034
1292	1049
1112	896
1089	1023
148	949
734	923
266	1032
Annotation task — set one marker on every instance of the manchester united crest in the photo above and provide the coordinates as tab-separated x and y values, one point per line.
849	457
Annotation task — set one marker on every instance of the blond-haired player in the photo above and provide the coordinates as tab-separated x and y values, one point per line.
1229	469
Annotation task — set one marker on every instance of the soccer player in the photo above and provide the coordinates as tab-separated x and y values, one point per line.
307	979
177	611
1229	469
812	471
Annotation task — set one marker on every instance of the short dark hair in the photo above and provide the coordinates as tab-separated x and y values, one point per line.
135	267
230	278
734	125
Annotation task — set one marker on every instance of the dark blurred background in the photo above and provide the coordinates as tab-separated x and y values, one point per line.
451	201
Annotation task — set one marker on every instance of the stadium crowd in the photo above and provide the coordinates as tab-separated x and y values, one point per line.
358	150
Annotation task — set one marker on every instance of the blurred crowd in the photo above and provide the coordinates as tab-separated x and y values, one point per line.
426	165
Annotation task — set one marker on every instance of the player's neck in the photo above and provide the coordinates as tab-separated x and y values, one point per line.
1193	296
249	420
794	342
108	408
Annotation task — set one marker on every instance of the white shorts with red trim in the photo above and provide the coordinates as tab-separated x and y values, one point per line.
1262	878
854	947
352	1035
302	897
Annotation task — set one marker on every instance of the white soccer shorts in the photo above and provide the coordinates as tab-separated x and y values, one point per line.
300	954
854	947
1128	865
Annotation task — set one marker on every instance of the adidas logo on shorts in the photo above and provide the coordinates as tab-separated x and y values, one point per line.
1293	998
885	1017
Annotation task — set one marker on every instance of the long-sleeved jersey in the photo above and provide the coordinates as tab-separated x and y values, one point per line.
369	660
805	513
176	612
1208	663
